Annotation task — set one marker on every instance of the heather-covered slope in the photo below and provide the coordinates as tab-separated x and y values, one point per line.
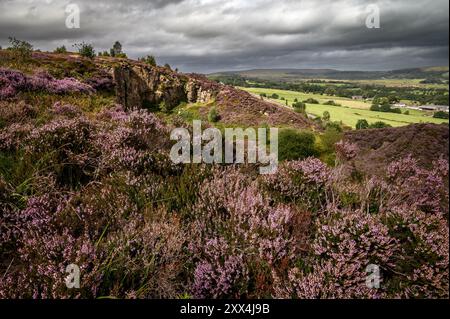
85	180
138	85
377	148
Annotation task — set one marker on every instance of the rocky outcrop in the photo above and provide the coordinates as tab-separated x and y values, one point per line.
140	85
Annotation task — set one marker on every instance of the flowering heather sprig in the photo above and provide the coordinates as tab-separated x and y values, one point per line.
346	150
410	247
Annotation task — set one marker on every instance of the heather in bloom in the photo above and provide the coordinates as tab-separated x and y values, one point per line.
251	229
99	190
66	110
67	146
13	82
411	186
346	151
306	182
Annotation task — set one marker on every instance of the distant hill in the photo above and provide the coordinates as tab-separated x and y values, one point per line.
289	75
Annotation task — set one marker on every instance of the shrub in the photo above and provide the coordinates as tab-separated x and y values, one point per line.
378	125
149	59
85	50
305	183
295	145
213	116
326	116
362	124
61	49
441	115
275	96
337	126
333	103
311	101
385	107
20	49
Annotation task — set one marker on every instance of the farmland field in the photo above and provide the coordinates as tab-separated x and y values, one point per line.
351	111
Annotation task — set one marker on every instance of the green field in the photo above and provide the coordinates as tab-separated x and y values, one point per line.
350	111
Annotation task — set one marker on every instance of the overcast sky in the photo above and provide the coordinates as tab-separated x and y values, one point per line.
215	35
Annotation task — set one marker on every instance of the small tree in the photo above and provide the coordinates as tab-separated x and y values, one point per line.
61	49
20	49
85	50
149	59
326	116
362	124
275	96
116	49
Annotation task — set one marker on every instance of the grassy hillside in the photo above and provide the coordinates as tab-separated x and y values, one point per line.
350	111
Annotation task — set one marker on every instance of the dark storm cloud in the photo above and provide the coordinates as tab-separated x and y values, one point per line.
210	35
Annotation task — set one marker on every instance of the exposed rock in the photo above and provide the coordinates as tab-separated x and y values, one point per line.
145	86
139	85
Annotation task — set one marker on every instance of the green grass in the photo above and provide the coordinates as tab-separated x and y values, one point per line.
350	111
291	95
